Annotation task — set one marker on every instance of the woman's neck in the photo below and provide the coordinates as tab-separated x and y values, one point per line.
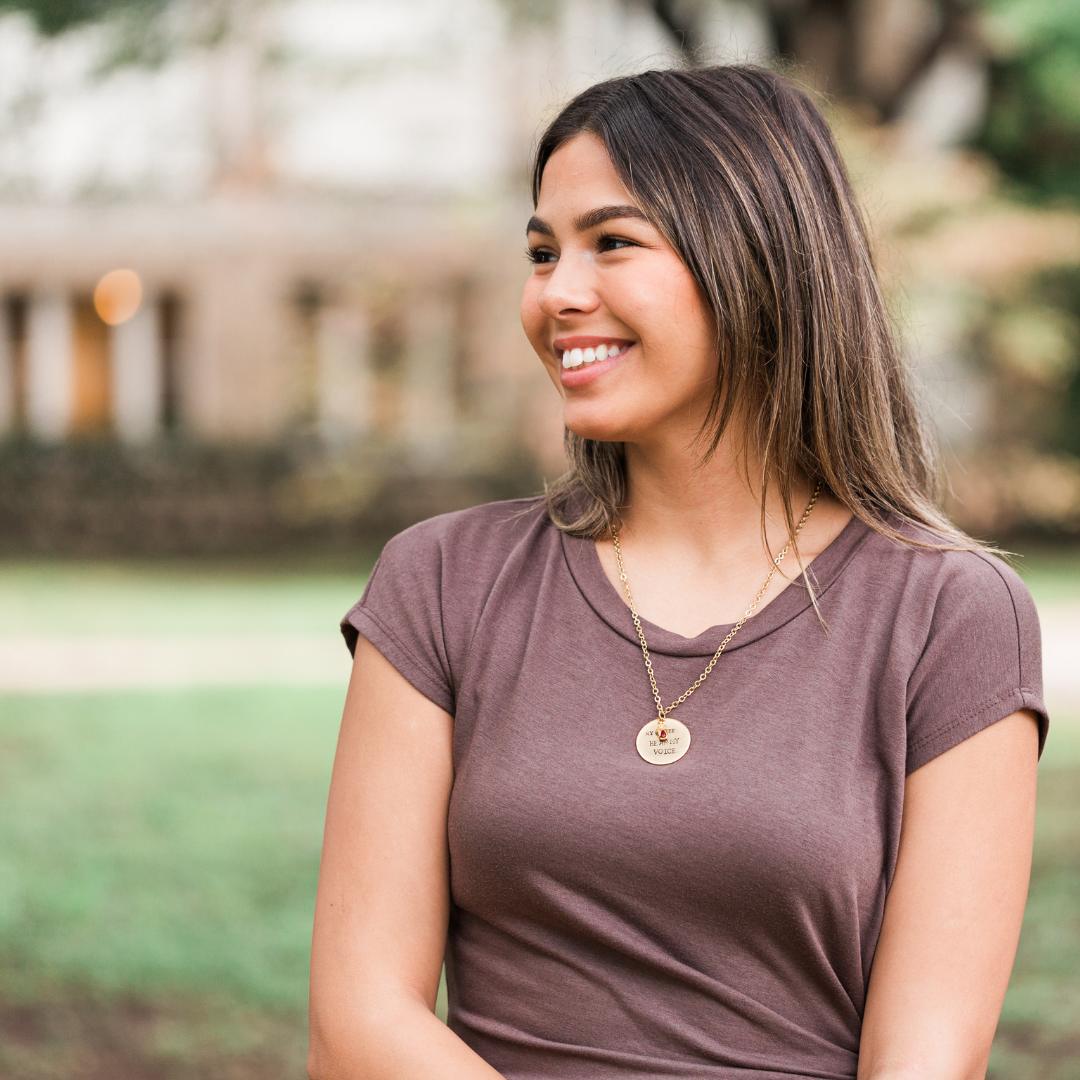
711	516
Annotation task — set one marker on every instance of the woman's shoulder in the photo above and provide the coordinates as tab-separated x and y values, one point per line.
473	536
968	625
944	586
473	522
431	581
970	568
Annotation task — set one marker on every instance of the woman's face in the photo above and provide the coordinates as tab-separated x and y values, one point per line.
618	281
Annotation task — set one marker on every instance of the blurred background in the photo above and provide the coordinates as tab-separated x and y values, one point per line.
260	263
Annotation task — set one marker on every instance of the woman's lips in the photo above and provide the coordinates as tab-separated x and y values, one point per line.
585	373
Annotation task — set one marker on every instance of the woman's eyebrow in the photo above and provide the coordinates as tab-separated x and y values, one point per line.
589	220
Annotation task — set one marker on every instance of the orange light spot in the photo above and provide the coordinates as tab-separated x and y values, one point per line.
117	296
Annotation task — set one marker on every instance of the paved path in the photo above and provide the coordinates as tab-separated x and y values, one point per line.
71	663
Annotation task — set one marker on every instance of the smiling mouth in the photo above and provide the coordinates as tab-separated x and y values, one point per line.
571	359
586	372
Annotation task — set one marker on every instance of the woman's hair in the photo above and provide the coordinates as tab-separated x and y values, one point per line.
737	168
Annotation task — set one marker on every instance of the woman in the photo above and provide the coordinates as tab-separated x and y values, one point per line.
712	763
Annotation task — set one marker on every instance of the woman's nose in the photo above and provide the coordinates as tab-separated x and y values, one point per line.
570	285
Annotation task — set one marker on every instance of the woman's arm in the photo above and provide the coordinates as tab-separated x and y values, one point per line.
953	914
383	897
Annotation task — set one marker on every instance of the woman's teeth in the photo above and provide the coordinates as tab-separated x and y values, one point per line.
573	358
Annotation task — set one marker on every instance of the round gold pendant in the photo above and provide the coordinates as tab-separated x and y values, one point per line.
663	751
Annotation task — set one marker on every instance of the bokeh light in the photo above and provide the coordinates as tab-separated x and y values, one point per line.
117	296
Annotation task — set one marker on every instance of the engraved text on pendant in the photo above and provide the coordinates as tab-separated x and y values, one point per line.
663	751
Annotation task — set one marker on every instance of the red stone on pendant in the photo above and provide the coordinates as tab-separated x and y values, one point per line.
662	734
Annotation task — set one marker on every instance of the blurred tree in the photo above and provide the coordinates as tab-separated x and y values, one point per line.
962	118
145	32
1033	125
150	32
56	16
1016	62
874	52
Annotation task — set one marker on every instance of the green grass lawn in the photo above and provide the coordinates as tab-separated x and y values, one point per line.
159	851
158	861
115	598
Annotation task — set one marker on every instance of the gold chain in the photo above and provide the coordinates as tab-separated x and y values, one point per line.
661	711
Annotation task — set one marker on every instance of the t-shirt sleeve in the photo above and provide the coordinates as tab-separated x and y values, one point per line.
400	613
982	659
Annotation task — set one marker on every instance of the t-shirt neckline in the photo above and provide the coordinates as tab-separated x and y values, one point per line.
583	561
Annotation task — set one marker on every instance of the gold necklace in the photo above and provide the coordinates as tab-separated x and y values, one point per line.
663	741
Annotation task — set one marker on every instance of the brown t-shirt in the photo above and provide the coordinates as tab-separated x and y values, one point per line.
716	916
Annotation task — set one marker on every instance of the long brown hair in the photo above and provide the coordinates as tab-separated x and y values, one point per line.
737	168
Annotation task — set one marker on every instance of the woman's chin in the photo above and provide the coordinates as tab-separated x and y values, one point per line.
596	428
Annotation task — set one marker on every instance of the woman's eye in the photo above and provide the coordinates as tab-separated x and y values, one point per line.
538	255
605	239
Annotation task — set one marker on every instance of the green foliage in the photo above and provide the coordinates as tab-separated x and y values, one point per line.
1031	341
56	16
1062	289
1033	125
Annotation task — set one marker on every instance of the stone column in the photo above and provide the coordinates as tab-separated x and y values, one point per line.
235	375
344	384
430	411
137	373
50	365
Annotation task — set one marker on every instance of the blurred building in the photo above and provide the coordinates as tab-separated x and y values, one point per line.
323	210
321	206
